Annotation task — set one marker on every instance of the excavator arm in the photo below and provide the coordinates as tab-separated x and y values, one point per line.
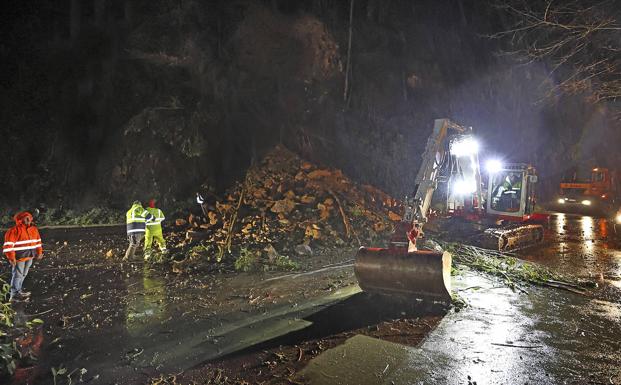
402	268
434	162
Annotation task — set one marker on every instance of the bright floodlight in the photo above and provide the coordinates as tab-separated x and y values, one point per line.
561	200
464	187
618	218
493	166
586	202
464	147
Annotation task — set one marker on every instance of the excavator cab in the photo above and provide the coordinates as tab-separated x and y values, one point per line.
511	199
511	192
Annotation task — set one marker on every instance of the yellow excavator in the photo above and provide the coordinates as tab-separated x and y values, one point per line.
507	206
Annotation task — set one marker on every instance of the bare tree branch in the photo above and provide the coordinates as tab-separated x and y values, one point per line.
580	39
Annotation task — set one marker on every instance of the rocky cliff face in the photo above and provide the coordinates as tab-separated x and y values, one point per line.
113	101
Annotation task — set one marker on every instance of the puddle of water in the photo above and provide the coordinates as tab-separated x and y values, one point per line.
146	303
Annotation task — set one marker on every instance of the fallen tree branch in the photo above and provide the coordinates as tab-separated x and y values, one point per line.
348	227
229	231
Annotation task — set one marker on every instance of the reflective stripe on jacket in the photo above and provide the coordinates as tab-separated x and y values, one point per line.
136	219
155	224
22	242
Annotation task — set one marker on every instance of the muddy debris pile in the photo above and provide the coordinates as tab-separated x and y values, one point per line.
288	207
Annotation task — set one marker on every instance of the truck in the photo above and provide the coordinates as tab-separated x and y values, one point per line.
596	195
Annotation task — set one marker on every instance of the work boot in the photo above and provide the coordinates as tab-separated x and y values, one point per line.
18	298
129	253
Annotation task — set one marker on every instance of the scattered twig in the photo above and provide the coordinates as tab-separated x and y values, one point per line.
41	313
385	369
518	346
300	354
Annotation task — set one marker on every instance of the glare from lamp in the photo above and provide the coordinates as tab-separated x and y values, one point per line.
618	219
464	187
561	200
493	166
465	147
586	202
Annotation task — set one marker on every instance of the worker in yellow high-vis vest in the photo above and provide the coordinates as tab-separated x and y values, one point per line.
137	217
154	231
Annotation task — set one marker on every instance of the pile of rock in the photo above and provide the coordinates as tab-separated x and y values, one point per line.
286	205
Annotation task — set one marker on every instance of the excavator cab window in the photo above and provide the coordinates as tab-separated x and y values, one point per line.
598	176
506	191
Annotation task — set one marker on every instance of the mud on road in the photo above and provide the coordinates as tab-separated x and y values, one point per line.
116	322
130	323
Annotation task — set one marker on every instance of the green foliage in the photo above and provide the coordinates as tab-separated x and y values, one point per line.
8	352
251	261
96	215
356	211
283	262
7	358
58	372
247	260
510	269
198	250
34	322
458	302
54	216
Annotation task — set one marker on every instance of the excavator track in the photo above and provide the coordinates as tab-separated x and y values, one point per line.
512	238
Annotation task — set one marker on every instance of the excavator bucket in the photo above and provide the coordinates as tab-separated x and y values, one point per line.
513	238
418	274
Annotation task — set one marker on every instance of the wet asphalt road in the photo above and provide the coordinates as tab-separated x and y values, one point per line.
544	336
584	247
125	324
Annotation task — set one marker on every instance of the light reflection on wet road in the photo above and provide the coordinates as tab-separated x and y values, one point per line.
581	246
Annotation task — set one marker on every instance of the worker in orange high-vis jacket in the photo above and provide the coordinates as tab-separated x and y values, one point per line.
22	243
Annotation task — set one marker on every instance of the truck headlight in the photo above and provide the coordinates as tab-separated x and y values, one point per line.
561	200
586	202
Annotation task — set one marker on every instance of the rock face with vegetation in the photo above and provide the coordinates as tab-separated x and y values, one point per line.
137	99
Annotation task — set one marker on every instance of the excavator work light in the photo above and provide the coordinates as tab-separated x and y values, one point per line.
465	187
493	166
465	147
